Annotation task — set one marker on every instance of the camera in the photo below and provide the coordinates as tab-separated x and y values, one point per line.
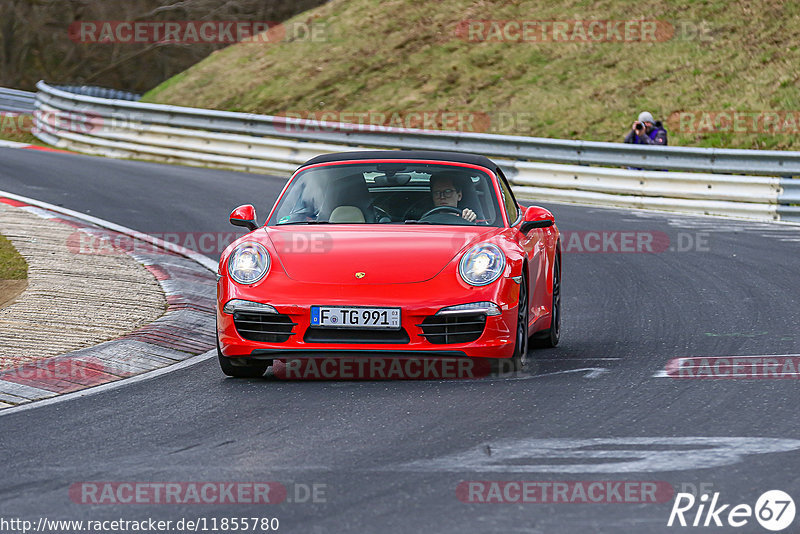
639	126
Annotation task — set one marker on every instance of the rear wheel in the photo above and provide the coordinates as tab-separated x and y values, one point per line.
240	368
550	337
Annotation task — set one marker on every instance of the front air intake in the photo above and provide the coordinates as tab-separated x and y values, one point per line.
450	329
263	327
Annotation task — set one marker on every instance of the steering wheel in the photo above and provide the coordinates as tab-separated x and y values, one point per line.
381	216
442	209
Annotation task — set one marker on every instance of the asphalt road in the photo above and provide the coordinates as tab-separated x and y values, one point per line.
388	456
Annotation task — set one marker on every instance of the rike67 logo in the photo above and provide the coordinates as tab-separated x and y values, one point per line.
774	510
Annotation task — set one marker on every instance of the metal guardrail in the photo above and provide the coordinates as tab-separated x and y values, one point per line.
752	197
761	162
16	101
263	143
100	92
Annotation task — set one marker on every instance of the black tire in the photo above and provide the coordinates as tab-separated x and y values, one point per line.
520	357
550	337
240	369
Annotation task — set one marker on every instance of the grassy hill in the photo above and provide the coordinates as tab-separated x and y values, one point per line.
708	56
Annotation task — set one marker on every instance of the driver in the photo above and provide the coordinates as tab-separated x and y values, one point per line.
446	192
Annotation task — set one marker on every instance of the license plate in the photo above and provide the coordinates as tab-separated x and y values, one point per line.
356	317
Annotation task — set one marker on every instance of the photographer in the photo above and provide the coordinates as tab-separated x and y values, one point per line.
646	131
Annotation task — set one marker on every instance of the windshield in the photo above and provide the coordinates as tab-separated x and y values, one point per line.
389	193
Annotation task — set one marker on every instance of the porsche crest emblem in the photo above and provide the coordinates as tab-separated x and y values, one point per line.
360	274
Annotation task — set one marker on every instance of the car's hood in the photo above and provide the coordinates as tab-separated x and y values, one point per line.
397	254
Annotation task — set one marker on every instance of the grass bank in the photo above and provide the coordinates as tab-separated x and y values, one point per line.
398	56
13	272
17	127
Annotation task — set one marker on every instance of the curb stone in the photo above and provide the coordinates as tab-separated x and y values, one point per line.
186	329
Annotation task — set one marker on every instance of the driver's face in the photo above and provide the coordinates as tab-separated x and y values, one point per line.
444	194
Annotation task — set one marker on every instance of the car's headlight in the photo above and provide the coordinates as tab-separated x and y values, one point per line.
248	263
482	264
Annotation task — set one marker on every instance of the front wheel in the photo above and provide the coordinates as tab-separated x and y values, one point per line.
242	369
517	361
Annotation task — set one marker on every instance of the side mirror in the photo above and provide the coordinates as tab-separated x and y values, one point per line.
244	216
536	217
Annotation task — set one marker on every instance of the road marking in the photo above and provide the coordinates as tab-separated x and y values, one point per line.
736	334
602	455
13	144
111	385
596	373
591	372
577	359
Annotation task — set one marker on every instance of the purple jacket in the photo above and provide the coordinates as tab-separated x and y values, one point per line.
656	136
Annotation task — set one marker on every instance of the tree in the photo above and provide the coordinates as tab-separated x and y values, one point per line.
35	39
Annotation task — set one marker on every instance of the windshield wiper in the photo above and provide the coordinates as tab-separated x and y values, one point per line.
413	221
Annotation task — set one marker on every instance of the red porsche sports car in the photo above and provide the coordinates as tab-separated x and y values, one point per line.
391	254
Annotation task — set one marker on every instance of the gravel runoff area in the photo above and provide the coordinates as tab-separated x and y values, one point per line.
92	315
72	300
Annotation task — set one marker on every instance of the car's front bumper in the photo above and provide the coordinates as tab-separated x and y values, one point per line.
416	301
